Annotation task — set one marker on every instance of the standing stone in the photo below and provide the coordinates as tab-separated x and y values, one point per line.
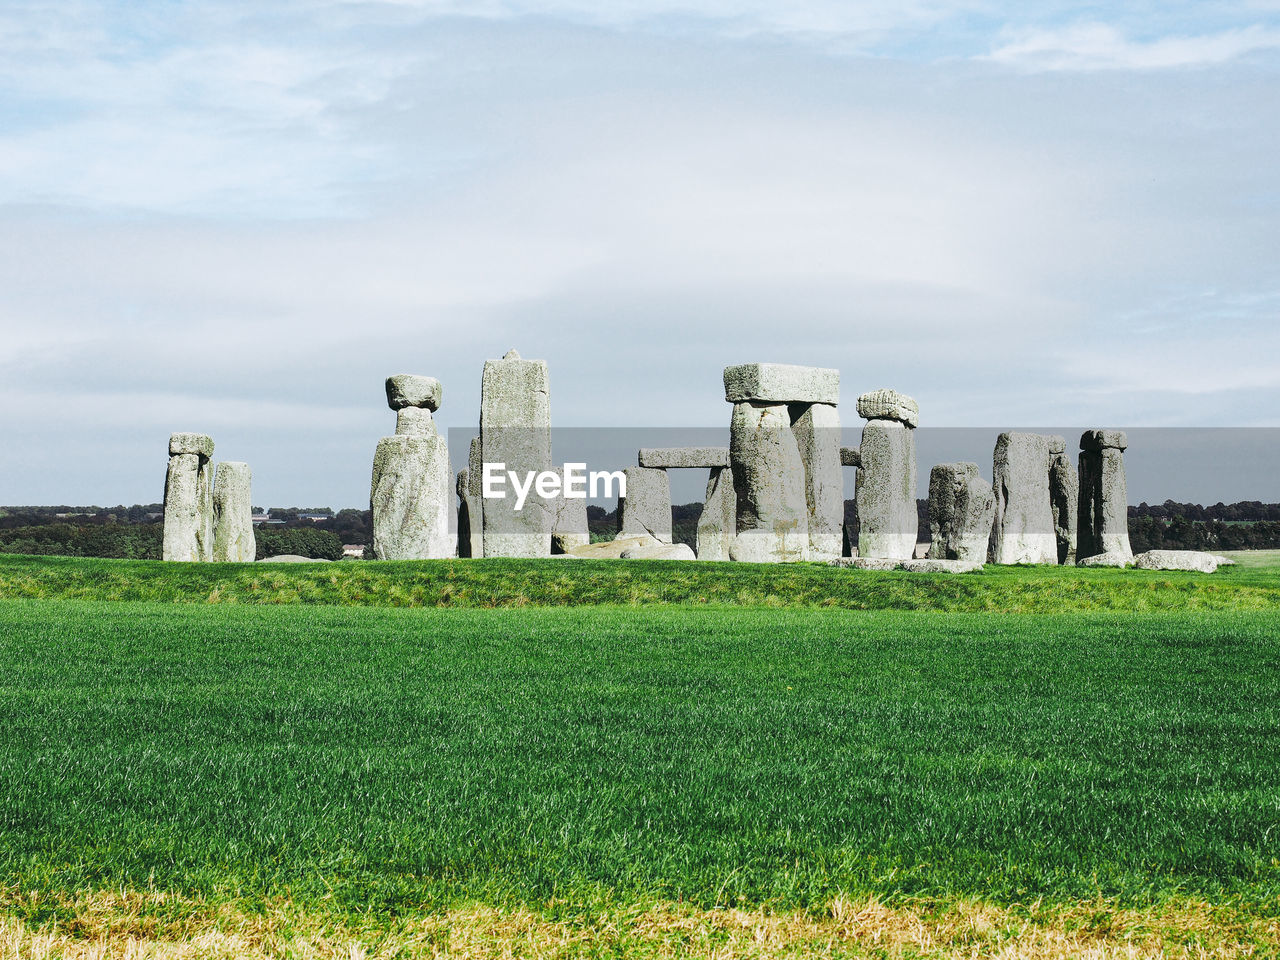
233	539
961	509
647	506
412	489
470	517
569	527
515	430
768	479
1104	499
817	431
188	499
410	496
1023	531
885	490
716	524
1063	497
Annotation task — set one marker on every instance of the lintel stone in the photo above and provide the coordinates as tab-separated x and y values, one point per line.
684	457
781	383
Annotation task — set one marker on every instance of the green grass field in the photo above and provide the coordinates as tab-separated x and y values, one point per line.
250	743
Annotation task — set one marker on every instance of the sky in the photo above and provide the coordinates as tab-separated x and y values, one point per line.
239	217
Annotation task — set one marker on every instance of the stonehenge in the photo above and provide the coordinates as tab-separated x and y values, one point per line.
785	455
962	507
1103	524
1063	498
569	521
886	480
233	539
1023	530
717	521
515	430
646	509
188	499
412	485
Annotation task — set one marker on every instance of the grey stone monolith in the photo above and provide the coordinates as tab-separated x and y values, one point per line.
1064	491
411	496
188	499
781	383
515	431
885	489
569	527
768	479
233	538
1023	530
961	510
1103	525
690	458
816	427
647	506
716	524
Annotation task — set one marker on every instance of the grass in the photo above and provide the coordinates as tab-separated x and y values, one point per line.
273	775
1251	585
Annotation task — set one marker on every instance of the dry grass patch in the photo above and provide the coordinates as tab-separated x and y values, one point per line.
106	924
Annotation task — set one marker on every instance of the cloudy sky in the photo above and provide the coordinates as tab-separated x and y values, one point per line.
239	217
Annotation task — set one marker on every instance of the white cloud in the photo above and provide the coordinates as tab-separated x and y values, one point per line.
1100	46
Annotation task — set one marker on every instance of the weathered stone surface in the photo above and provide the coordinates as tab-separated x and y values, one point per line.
1104	440
886	491
646	509
411	495
850	457
1106	560
1194	560
415	422
470	508
941	566
962	508
291	558
611	549
718	521
1103	524
781	383
1057	443
867	563
188	504
515	430
406	390
659	551
1064	491
197	443
769	482
1023	528
889	405
569	521
683	457
233	539
816	428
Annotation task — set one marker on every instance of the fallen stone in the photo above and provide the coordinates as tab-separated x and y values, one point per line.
941	566
866	563
233	538
889	405
646	509
611	549
406	390
962	508
885	491
292	558
1023	529
816	429
197	443
850	457
1193	560
781	383
659	551
515	430
410	496
1105	560
769	481
683	457
718	521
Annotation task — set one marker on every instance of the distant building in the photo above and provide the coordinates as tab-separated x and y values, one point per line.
355	550
313	517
